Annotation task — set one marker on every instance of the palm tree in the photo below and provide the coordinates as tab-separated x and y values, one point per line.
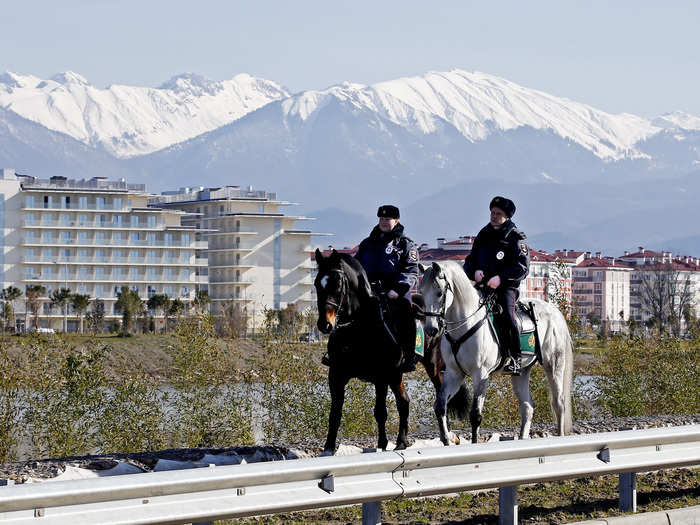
201	300
8	296
61	298
176	309
129	304
80	303
160	302
32	295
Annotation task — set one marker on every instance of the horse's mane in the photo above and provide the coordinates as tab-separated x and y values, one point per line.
360	279
460	282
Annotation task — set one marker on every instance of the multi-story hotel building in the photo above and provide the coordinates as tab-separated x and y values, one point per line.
92	237
257	257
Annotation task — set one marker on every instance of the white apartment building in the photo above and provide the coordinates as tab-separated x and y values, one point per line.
92	237
257	257
649	266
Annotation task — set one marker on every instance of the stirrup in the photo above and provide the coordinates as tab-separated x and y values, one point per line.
512	366
325	360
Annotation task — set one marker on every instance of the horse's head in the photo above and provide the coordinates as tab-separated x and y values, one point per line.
341	283
437	296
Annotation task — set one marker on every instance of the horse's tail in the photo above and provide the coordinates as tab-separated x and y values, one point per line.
458	406
567	415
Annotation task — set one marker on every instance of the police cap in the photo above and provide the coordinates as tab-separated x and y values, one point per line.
388	211
507	205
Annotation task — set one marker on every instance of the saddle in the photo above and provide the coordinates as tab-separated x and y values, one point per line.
527	322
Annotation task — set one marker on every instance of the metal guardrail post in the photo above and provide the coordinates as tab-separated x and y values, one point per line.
372	513
628	491
507	500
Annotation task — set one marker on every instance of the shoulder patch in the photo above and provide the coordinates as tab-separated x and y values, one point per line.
413	255
523	248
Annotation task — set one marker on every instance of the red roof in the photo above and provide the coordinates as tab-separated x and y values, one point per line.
536	255
437	254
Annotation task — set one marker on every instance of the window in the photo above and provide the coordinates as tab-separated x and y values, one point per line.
169	274
151	291
151	238
261	208
169	256
221	210
31	237
82	289
185	274
48	201
29	254
29	219
100	201
134	255
100	255
134	238
47	237
152	274
151	221
100	238
29	202
83	238
152	255
134	221
238	226
100	290
99	273
29	272
168	290
185	256
185	291
65	254
117	274
133	274
168	239
83	219
65	219
83	272
117	220
117	203
83	203
117	238
117	255
65	202
101	220
185	239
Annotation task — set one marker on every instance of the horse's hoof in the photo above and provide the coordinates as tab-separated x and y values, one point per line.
382	446
400	446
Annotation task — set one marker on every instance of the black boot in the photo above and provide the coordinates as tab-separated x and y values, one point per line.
326	360
408	363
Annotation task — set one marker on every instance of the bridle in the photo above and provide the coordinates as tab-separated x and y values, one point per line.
487	300
338	306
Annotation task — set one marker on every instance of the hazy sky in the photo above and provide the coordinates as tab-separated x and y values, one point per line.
620	56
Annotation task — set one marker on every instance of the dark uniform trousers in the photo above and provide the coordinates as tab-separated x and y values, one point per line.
508	299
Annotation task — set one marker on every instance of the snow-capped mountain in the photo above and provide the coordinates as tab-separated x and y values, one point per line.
477	104
128	121
437	144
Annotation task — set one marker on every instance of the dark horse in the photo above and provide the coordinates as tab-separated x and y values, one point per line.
360	347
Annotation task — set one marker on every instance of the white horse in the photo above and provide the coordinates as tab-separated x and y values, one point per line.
451	299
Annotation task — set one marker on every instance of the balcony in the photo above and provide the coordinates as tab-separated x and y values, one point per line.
54	241
45	223
91	184
106	260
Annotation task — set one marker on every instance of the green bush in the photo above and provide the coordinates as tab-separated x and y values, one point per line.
639	377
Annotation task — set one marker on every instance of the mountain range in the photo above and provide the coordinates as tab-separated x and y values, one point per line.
438	145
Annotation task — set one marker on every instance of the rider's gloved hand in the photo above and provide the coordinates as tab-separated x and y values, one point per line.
478	276
391	294
494	282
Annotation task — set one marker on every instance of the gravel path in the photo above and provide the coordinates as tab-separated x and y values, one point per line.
45	469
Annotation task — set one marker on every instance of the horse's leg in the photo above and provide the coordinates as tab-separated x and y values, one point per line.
521	386
380	415
336	382
480	384
451	382
402	400
557	361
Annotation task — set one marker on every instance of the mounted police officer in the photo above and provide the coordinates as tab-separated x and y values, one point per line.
391	262
500	257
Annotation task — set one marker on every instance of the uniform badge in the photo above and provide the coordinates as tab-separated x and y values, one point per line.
500	255
523	248
412	255
388	249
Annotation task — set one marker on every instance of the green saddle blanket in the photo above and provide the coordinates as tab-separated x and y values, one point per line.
528	341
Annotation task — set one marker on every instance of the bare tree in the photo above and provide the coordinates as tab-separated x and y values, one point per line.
665	294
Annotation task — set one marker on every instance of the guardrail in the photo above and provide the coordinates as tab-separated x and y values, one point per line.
282	486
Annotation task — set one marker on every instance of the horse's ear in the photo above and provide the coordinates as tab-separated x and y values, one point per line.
318	256
437	270
334	256
421	268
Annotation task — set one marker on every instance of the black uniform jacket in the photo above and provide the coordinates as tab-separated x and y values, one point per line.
390	258
501	252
